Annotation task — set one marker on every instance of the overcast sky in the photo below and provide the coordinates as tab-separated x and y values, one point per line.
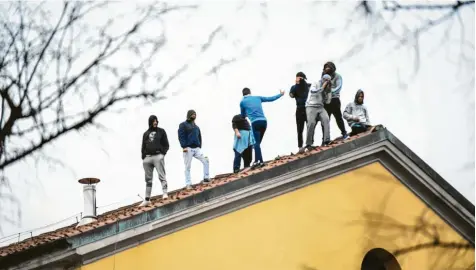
431	111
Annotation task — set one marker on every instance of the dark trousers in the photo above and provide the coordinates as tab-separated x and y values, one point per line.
358	129
259	128
246	155
333	108
301	119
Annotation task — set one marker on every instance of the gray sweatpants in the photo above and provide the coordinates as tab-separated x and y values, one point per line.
313	116
149	163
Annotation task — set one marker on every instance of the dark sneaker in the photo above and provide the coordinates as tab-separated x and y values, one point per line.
345	136
326	143
309	148
257	164
206	180
236	170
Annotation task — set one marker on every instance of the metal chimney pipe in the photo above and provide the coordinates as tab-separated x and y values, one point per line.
89	194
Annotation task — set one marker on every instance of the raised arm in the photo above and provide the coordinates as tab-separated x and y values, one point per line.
271	99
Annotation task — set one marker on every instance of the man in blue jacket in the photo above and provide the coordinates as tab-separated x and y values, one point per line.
252	108
190	139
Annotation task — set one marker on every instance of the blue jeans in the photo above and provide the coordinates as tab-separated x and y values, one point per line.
259	128
187	159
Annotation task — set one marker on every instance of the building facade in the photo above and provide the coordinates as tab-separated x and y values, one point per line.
369	203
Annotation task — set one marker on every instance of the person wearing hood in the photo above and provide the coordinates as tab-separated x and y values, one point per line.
190	139
299	92
334	107
357	115
154	148
319	95
251	107
243	142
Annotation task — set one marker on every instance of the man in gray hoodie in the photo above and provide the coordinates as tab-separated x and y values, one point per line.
357	115
319	94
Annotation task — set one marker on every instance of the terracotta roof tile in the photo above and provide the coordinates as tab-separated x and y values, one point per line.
156	201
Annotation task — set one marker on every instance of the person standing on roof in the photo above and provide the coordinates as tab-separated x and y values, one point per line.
299	92
333	108
243	142
319	95
357	115
190	139
251	107
154	148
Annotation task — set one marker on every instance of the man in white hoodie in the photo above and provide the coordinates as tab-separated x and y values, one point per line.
357	115
319	94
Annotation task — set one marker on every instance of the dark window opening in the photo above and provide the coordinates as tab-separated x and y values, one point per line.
379	259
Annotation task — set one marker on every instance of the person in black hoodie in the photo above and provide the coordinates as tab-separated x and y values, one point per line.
300	91
190	139
154	148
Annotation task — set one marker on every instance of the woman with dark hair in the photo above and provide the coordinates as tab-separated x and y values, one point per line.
243	142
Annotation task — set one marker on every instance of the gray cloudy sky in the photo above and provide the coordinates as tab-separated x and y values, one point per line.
431	110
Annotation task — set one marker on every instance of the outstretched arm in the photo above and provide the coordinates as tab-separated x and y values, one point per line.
271	99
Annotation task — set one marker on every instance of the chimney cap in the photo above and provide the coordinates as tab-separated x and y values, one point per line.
89	181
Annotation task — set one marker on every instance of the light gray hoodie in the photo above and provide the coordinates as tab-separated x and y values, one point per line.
354	110
318	95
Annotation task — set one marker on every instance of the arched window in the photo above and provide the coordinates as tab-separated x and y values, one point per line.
379	259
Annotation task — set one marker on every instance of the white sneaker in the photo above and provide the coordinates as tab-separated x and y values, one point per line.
144	203
165	196
189	187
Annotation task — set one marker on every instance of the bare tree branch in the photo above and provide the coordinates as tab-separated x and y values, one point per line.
59	73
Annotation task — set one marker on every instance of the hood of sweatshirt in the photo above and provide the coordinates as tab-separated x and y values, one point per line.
151	120
302	88
357	97
333	69
189	114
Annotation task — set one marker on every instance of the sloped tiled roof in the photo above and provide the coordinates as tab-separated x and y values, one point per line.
157	201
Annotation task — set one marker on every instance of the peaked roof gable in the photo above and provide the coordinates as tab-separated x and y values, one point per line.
401	161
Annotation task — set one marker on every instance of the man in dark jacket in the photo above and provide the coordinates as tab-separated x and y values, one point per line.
333	108
300	91
154	148
190	139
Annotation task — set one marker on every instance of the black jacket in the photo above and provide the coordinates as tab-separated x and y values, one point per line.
240	123
154	140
